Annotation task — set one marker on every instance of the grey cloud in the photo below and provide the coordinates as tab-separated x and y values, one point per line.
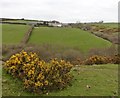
63	10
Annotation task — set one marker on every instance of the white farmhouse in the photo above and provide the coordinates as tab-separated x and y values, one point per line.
55	24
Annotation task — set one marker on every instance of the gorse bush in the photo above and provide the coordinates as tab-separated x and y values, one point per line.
116	59
37	75
95	59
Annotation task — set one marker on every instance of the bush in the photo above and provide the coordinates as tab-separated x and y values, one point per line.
46	52
109	52
74	56
9	50
116	59
37	75
97	60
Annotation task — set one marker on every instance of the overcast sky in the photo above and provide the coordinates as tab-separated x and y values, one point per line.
62	10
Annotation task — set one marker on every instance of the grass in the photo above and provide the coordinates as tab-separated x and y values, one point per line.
108	25
13	34
68	37
102	80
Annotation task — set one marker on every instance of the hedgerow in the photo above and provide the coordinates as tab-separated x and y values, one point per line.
37	75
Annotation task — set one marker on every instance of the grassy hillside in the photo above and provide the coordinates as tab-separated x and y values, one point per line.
96	80
13	34
69	37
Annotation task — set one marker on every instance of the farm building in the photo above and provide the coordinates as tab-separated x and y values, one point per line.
55	24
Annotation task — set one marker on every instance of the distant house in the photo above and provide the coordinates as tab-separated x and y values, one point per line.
55	24
46	23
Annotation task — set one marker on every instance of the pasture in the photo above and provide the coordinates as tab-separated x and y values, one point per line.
67	37
13	34
96	80
107	25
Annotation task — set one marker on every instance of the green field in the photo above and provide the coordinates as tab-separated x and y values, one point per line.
102	80
69	37
107	25
13	34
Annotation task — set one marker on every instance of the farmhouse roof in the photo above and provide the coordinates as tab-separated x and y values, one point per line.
54	21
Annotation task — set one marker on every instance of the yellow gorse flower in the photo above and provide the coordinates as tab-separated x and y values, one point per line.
38	84
36	74
46	82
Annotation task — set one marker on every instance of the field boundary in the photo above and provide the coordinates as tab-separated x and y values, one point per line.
103	36
17	23
27	35
98	35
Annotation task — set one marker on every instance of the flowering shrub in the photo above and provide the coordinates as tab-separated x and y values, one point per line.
37	75
116	59
97	60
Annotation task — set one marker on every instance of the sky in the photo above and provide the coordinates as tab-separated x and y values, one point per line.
61	10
